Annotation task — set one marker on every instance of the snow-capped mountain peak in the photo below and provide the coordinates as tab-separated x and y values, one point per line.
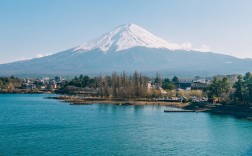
125	37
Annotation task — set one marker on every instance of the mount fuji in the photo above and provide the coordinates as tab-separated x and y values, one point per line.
126	37
129	48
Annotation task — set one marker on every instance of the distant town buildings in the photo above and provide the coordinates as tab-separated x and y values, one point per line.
43	83
198	84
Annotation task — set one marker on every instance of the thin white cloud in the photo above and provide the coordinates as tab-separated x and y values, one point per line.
23	59
42	55
203	48
186	46
29	58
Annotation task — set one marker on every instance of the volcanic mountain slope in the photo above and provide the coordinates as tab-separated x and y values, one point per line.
129	48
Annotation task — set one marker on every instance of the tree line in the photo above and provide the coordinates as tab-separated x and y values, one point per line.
135	86
10	83
115	85
124	85
239	93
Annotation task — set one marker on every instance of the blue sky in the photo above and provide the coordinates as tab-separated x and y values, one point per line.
32	28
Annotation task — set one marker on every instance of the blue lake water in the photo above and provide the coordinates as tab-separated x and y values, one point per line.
32	125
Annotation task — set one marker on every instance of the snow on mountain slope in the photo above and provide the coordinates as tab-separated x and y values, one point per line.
125	37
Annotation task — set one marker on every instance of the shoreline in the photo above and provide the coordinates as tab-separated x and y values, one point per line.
24	91
236	111
74	100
